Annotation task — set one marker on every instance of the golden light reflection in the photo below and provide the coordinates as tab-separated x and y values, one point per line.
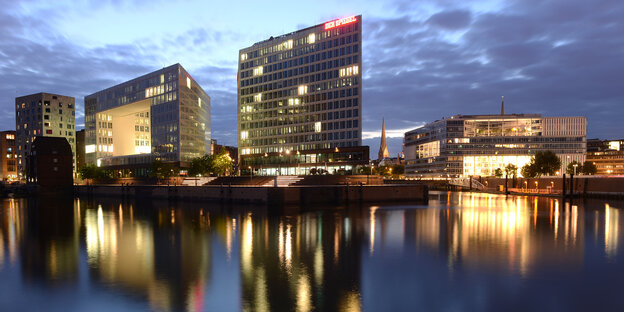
228	238
304	294
14	231
612	218
337	236
372	229
318	265
556	219
351	302
247	245
280	243
288	248
261	302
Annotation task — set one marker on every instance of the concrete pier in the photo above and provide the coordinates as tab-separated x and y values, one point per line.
292	195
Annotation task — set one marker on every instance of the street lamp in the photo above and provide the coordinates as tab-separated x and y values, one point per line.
575	165
536	186
526	186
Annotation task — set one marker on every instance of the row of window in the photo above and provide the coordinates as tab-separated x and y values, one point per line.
304	60
254	59
325	70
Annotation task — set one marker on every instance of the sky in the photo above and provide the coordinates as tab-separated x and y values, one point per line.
422	60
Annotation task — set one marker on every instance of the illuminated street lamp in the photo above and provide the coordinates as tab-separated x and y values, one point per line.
526	186
575	165
535	185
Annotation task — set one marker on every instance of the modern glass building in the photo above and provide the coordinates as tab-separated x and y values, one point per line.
476	145
301	94
163	115
43	114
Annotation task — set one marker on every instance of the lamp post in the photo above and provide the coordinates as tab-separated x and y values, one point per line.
526	186
575	165
250	174
536	186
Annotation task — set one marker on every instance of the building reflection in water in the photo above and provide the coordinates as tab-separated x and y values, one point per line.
306	262
488	231
161	253
49	250
611	227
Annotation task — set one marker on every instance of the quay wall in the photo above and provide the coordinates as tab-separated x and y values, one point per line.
303	195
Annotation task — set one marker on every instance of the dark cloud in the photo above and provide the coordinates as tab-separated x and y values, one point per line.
451	20
557	58
548	57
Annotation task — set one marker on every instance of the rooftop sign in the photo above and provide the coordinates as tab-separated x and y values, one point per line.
340	22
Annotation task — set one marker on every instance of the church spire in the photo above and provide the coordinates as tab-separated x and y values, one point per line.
503	106
383	148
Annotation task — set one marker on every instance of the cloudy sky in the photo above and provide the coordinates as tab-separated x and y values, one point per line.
422	60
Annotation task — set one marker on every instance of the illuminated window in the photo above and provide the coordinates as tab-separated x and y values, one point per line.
258	71
257	97
317	127
199	102
349	71
244	135
303	90
311	38
288	44
188	82
162	78
244	57
90	148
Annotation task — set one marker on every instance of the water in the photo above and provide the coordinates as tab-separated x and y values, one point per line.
461	252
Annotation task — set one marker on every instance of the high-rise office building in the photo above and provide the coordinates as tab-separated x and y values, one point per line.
8	159
477	145
43	114
300	100
163	115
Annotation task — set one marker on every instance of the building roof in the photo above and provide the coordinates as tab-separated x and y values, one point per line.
51	146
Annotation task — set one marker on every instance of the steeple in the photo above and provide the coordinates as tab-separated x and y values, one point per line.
383	148
503	106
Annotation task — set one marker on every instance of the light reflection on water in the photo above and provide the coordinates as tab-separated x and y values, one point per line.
466	251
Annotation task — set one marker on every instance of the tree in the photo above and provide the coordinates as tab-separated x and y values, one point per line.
161	170
543	163
589	168
366	170
529	170
498	173
511	170
92	172
200	166
221	163
398	169
570	169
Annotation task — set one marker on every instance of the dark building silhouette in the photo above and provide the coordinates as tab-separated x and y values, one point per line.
80	149
50	162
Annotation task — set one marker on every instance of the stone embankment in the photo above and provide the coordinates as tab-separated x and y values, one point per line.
291	195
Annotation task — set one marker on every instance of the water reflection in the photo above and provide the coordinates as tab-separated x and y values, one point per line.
188	256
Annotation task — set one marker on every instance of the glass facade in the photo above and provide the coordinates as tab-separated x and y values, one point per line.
164	113
301	91
478	145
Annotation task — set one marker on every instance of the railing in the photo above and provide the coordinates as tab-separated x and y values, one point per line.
535	191
467	182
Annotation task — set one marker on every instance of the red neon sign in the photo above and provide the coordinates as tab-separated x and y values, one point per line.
340	22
